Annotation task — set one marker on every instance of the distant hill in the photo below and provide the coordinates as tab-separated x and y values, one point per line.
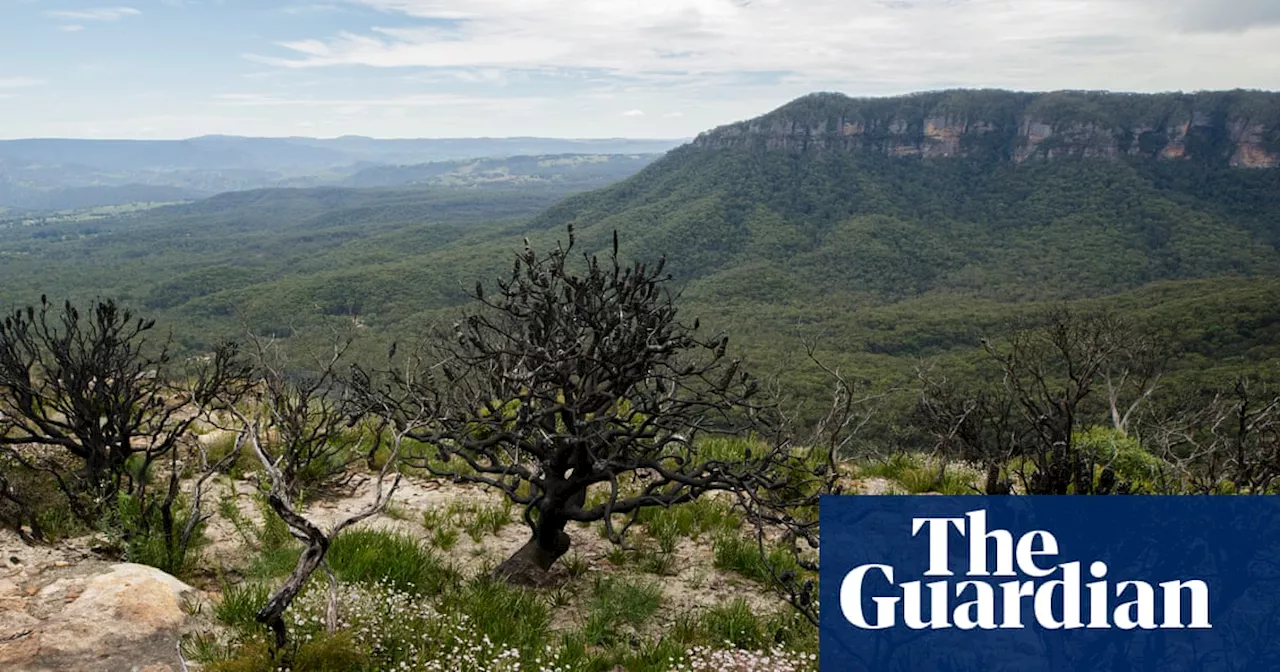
59	174
298	155
839	212
583	169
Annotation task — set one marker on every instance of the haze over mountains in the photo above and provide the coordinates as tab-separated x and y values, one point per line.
903	229
53	174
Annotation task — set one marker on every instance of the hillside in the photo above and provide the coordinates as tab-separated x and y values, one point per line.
893	257
897	250
595	170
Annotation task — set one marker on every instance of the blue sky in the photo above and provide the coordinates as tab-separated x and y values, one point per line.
578	68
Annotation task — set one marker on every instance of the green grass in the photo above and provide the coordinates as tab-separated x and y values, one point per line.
240	603
617	602
575	564
477	520
485	520
372	556
274	562
221	446
444	538
734	622
657	561
508	615
276	550
742	555
917	475
335	653
691	520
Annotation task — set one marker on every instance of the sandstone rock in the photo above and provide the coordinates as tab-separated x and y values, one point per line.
102	618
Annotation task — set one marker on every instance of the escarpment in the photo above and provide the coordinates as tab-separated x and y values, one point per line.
1240	129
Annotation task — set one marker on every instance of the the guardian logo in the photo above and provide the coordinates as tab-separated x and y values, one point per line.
1040	588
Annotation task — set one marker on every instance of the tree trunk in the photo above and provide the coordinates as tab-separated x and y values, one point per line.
996	485
531	564
272	615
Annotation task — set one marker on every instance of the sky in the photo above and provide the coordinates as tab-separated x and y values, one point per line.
579	68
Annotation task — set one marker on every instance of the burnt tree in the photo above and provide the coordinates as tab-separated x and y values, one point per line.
1229	443
101	404
1062	373
568	378
293	424
780	498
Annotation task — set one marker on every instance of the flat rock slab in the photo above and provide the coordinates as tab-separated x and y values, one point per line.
92	617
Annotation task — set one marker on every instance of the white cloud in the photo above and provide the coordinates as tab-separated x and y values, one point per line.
633	113
71	28
19	82
100	14
866	45
313	8
348	104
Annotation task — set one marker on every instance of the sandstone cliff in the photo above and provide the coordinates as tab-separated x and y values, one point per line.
1236	128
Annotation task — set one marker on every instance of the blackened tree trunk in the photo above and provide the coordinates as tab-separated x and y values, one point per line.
531	564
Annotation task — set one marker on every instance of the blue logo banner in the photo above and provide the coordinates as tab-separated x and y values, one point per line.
1050	584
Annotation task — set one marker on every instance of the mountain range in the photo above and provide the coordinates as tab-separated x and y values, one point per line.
895	230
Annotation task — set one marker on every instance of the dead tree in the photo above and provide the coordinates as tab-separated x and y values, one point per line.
974	425
280	425
1229	444
780	497
1132	374
567	379
306	411
93	391
1050	373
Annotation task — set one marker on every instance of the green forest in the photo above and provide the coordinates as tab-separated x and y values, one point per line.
526	424
888	262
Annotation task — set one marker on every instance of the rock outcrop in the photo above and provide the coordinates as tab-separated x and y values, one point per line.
1240	129
91	616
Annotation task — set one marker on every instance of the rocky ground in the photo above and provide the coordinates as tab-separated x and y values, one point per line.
66	608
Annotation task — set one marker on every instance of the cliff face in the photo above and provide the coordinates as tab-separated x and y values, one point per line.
1240	129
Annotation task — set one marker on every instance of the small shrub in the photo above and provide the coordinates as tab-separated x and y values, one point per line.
141	533
1124	455
435	518
917	475
484	520
618	556
658	562
575	565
